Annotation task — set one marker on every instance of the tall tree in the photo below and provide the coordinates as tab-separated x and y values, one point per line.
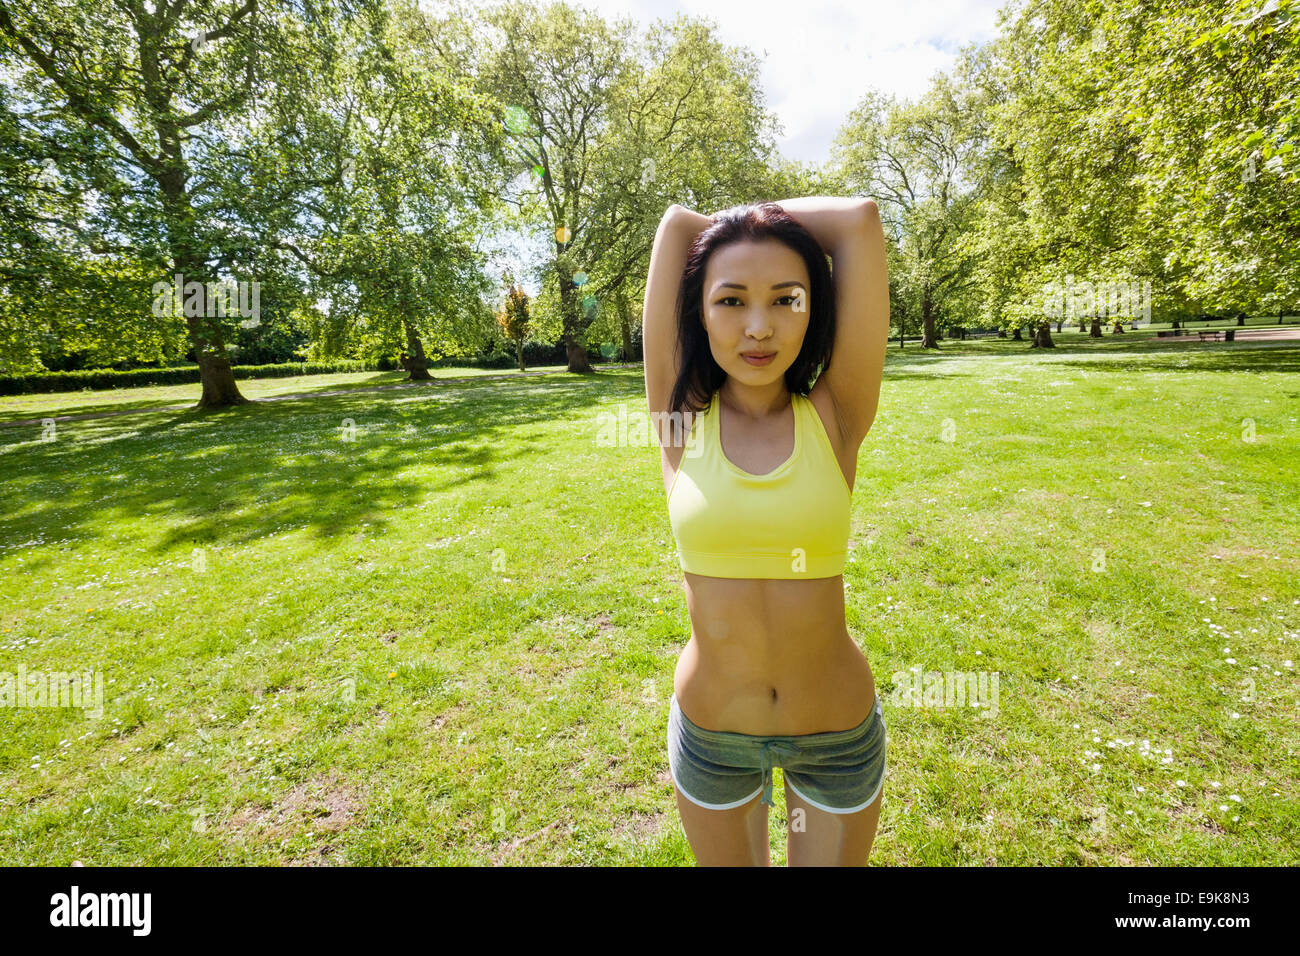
408	154
1152	141
1208	96
609	133
157	97
552	72
916	160
687	125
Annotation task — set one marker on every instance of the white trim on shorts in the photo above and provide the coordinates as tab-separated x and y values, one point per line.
712	806
861	806
820	806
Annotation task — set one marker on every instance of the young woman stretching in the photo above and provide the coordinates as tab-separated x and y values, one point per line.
741	316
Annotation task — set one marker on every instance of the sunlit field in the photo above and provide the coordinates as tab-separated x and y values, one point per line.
438	625
15	408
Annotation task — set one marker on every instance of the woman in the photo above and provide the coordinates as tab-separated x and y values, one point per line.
740	313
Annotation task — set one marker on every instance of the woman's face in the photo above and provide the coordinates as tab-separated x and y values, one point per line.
756	300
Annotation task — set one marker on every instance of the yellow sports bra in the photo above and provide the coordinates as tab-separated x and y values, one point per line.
792	522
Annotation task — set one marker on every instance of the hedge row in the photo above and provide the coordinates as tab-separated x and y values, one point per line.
535	354
180	375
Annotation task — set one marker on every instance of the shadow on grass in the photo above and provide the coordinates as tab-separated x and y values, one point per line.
237	475
1126	353
108	406
91	408
1203	357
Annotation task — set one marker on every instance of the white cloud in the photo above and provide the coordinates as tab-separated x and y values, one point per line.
822	56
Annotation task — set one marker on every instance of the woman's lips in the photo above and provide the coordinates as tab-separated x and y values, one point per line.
756	360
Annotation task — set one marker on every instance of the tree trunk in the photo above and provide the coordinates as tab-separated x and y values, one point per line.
577	357
575	354
1016	336
189	259
1059	323
215	374
625	325
928	338
1119	328
413	359
1095	331
519	354
218	379
1043	337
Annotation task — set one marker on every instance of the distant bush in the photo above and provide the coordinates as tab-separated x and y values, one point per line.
535	353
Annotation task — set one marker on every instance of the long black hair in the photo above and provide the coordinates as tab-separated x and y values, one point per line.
700	375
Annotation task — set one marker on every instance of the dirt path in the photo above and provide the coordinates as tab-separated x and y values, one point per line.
1268	334
280	398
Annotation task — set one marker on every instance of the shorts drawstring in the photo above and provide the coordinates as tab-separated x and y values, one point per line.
765	762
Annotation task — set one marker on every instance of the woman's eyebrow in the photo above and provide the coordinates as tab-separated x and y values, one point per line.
737	285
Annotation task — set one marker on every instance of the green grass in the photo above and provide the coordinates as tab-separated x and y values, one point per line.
92	401
452	640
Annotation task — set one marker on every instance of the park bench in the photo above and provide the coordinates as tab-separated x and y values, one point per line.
1216	335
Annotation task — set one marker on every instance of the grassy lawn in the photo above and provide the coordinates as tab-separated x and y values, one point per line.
439	625
90	401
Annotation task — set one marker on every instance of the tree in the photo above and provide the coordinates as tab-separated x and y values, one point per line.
1209	97
145	95
410	154
915	161
1149	139
1006	250
687	125
606	141
513	318
552	73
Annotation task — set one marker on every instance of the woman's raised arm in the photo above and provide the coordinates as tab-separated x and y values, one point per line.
850	232
677	230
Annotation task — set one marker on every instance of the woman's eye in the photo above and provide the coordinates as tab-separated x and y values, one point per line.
731	298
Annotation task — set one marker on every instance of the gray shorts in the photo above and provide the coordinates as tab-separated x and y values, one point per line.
840	771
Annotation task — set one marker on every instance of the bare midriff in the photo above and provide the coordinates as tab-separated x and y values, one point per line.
771	657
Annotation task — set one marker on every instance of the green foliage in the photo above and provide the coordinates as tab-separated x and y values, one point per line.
138	377
405	149
514	318
915	161
358	160
606	131
1143	140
